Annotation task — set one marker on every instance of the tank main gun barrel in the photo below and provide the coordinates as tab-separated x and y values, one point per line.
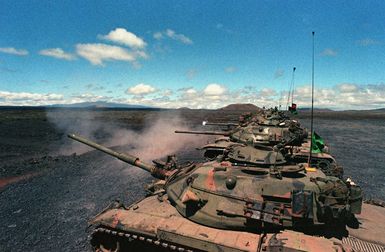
229	124
124	157
218	133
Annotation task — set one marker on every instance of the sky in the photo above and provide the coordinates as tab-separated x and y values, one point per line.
197	54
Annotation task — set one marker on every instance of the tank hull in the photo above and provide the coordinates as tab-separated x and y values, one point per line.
153	223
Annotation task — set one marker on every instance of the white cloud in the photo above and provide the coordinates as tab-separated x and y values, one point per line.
28	99
214	89
215	96
124	37
173	35
158	35
57	53
87	97
329	52
141	89
14	51
191	91
347	88
341	96
179	37
189	94
97	53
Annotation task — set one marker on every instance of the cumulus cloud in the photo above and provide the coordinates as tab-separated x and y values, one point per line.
14	51
214	89
28	99
212	96
347	88
141	89
329	52
124	37
87	97
172	35
189	93
57	53
98	53
368	42
342	96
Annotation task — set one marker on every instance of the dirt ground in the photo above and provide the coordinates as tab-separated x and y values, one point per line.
48	208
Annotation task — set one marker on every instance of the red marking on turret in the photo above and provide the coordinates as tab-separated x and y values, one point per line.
210	183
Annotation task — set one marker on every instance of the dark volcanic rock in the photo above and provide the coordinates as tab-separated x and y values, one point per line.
49	212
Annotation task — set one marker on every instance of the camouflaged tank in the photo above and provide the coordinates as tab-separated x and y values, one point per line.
248	199
270	130
263	133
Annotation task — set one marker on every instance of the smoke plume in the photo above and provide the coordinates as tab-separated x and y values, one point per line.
153	138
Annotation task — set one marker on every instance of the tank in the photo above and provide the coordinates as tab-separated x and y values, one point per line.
248	199
259	133
253	134
288	133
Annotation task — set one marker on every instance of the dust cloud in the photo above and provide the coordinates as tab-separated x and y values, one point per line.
154	140
157	139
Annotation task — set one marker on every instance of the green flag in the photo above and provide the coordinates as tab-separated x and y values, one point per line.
318	143
293	109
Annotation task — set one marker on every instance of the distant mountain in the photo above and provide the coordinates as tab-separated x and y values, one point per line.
98	104
241	107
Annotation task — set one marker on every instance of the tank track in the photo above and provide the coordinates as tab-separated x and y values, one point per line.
106	239
362	246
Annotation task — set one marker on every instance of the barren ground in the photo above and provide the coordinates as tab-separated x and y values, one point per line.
48	209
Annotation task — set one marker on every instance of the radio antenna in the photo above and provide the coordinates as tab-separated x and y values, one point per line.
292	91
312	107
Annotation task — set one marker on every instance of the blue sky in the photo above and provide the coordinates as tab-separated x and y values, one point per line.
200	54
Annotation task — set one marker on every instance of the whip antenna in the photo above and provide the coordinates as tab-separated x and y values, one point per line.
312	107
292	81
